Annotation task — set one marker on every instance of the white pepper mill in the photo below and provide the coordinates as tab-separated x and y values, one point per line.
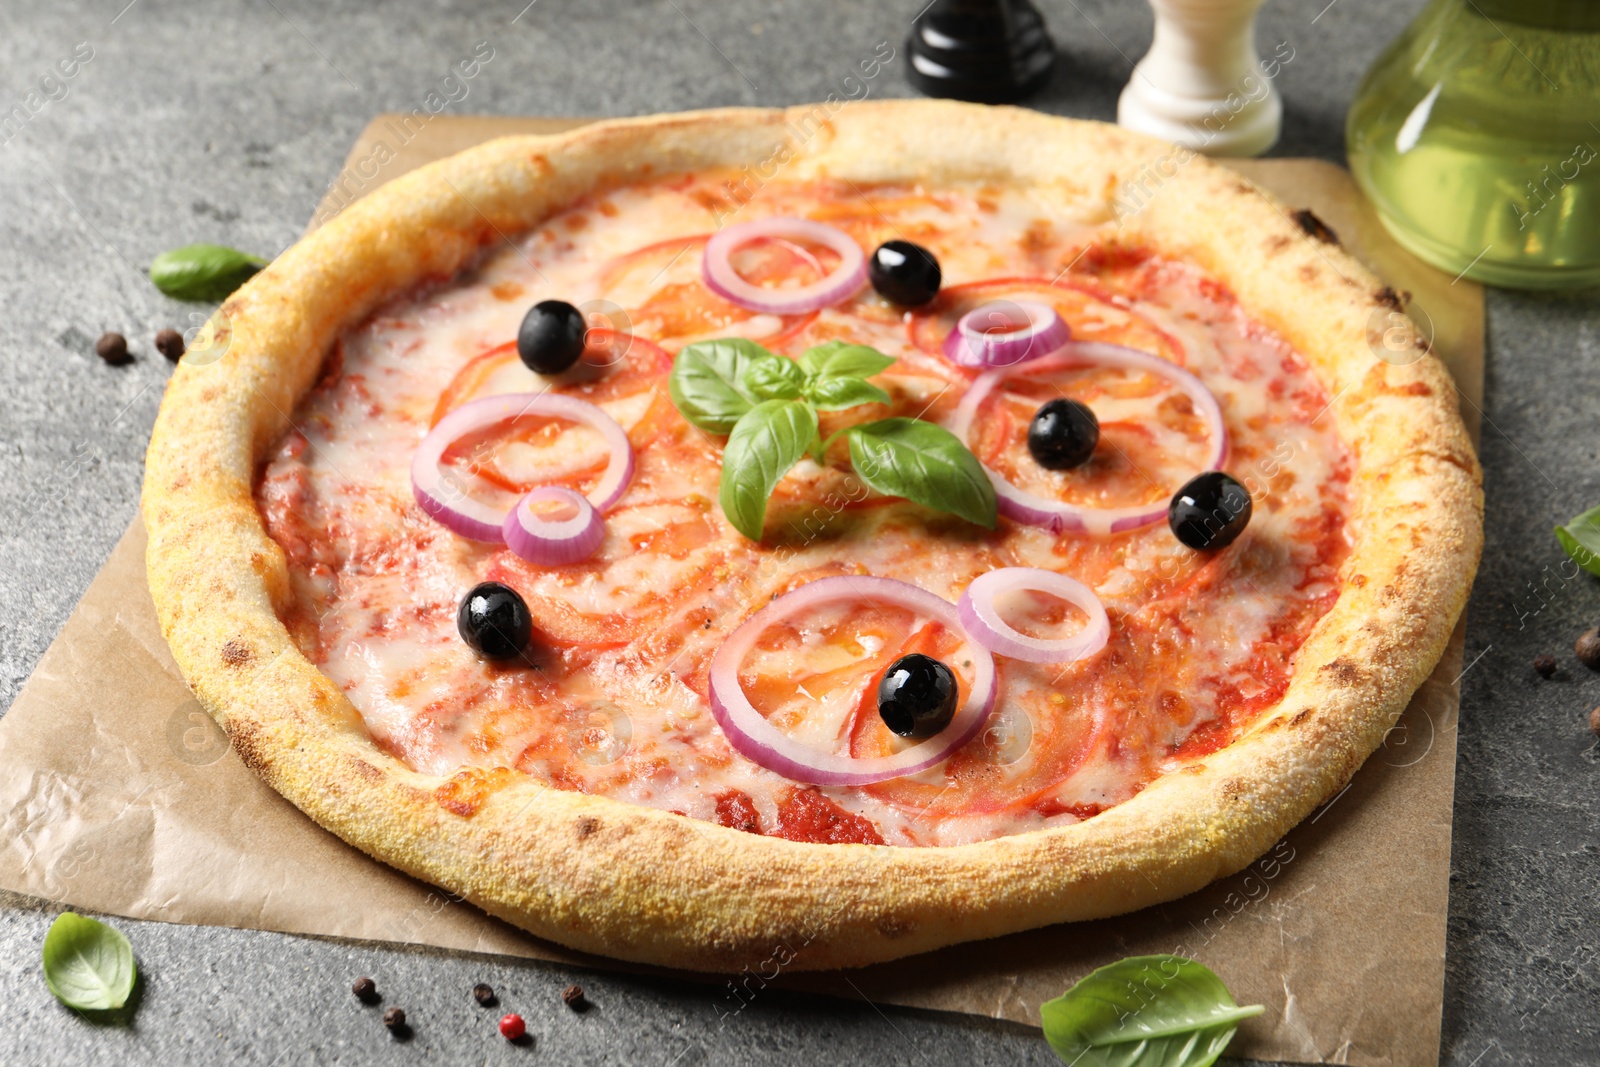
1202	85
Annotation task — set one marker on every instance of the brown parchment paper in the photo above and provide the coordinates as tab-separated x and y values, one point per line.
118	793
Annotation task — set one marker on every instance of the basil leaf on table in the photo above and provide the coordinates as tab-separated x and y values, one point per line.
1144	1011
836	394
87	964
775	378
1580	539
841	359
924	463
766	441
203	273
708	382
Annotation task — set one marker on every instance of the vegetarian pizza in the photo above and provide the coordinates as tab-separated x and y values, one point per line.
690	535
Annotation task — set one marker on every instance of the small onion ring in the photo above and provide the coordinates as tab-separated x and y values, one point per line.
970	346
717	266
448	502
983	622
1056	515
758	740
547	542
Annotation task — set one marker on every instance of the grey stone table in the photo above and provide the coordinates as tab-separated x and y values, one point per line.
224	122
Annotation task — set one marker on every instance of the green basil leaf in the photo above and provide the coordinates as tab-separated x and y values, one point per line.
1144	1011
768	440
87	964
840	359
924	463
1580	539
775	378
708	382
836	394
203	273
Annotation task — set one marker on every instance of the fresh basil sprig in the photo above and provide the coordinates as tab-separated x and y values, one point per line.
1144	1011
924	463
87	964
766	441
1580	539
768	406
203	273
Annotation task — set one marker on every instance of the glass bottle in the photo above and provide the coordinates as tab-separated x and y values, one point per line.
1476	135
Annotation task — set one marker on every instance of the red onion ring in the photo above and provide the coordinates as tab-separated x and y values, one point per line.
548	542
443	495
722	279
983	622
758	740
971	344
1056	515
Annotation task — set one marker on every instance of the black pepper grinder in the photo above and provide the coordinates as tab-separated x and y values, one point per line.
990	51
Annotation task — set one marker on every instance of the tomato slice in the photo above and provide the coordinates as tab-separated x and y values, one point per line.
655	560
614	365
683	310
614	368
1094	313
983	777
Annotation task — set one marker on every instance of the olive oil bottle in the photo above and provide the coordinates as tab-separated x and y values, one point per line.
1477	137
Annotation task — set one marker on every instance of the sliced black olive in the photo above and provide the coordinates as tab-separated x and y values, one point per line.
904	273
917	696
551	336
1063	434
494	620
1209	511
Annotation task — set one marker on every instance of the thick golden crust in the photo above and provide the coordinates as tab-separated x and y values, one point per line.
645	885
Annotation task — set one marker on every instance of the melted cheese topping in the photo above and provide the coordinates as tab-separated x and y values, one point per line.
616	700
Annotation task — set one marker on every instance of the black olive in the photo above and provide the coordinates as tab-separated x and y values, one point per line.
917	696
1209	511
551	336
494	620
1063	434
904	273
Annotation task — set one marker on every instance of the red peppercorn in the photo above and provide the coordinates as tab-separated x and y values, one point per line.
512	1027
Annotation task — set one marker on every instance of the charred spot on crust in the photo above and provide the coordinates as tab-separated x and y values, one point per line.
1314	227
1277	243
1301	718
236	654
365	770
587	826
1344	672
245	737
1389	298
894	928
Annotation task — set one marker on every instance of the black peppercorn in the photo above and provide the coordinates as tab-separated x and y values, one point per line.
573	997
170	344
113	348
1587	648
366	990
483	994
1546	666
395	1019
